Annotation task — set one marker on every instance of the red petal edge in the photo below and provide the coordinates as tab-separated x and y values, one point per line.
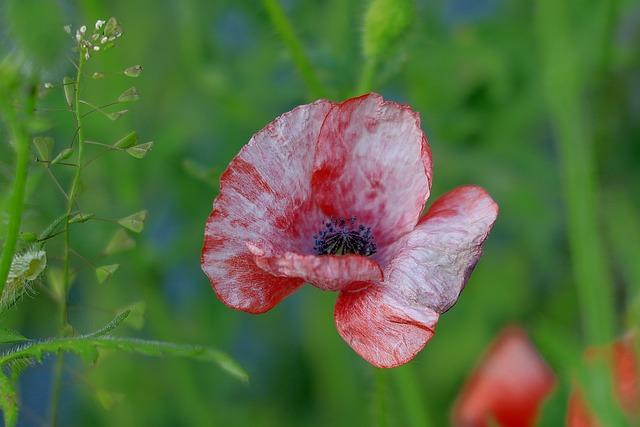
384	332
258	197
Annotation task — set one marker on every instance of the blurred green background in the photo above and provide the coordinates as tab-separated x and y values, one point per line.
484	76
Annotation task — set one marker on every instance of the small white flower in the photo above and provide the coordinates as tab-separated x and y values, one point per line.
96	48
87	56
78	35
48	85
99	24
83	29
111	39
104	40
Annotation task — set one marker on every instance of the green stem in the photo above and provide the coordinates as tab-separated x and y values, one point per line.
367	75
73	194
411	397
380	411
282	24
16	202
565	81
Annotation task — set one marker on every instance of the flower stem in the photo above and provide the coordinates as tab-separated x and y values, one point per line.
282	24
366	76
73	194
380	388
565	79
411	397
16	202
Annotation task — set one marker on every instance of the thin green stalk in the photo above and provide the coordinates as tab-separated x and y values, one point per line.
282	24
73	194
16	202
564	82
411	397
366	77
380	404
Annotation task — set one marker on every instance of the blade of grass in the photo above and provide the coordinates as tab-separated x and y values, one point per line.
282	24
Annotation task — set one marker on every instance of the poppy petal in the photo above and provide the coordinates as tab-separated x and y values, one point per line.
382	329
432	264
265	185
507	387
373	162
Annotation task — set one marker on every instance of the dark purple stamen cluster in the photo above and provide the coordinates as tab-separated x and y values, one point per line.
340	237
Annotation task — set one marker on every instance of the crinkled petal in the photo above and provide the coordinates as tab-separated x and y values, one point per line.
264	198
389	322
373	162
508	387
384	330
330	273
432	264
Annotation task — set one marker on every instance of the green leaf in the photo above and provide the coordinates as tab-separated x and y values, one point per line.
133	71
121	241
104	272
136	310
129	95
134	222
140	151
69	90
115	116
112	28
127	141
87	347
63	155
9	335
44	145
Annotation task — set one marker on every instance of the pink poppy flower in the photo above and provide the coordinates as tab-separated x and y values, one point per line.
626	381
331	194
508	387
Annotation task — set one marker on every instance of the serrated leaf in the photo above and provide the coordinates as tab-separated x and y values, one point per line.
63	155
80	217
120	241
104	272
129	95
136	311
133	71
140	151
115	116
87	347
127	141
113	324
44	145
69	90
9	335
134	222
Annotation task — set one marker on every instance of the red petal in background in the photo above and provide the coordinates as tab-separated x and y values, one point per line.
508	387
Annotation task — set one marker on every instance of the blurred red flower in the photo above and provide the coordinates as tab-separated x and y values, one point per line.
626	378
331	194
508	387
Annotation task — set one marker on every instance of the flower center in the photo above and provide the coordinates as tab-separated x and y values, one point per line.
340	237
